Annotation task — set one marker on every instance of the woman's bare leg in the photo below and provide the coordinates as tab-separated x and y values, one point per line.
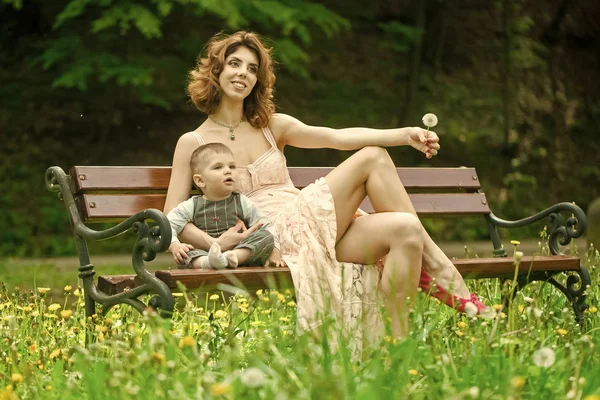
372	172
399	235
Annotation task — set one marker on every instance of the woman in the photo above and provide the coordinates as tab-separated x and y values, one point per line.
326	249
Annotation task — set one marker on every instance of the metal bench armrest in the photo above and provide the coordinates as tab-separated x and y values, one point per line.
150	241
561	230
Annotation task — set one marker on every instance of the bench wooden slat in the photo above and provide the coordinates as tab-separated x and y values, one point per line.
157	178
120	206
259	277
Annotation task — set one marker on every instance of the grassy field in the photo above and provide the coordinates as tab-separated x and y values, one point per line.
246	346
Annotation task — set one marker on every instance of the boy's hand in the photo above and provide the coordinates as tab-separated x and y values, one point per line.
179	251
275	259
234	235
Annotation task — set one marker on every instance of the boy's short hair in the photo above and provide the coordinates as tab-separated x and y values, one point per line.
198	158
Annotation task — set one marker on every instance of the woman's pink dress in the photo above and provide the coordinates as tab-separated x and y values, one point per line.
305	221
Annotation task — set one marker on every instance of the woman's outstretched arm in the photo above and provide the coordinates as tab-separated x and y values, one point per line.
290	131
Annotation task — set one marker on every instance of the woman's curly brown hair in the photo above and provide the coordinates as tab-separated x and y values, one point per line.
204	88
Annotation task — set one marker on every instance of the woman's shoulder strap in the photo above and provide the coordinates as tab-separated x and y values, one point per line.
198	138
269	135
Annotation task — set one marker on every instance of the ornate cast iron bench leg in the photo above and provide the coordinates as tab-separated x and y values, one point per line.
574	289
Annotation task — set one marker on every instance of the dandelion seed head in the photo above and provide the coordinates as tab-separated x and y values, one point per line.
430	120
253	377
544	357
470	309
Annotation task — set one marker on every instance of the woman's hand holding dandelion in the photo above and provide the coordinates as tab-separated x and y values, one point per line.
424	140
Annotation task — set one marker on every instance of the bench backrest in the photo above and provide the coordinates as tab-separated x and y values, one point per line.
115	193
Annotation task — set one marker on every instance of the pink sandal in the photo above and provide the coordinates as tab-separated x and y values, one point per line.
449	299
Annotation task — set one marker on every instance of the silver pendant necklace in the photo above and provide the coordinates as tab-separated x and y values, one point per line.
230	127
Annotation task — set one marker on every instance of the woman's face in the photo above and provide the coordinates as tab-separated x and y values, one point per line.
239	73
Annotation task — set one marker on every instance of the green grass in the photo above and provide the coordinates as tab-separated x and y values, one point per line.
246	347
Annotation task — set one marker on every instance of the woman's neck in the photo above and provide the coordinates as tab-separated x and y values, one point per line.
229	112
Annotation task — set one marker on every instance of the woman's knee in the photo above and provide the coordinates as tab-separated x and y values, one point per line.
374	155
407	229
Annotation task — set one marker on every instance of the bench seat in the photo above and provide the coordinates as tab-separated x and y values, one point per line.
253	278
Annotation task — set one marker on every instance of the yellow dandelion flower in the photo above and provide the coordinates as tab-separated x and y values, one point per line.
68	288
244	309
460	333
497	307
291	304
48	387
287	291
284	319
158	358
259	292
220	314
54	307
214	297
413	372
521	308
562	332
54	354
187	341
32	348
265	299
219	389
43	290
592	309
27	309
286	332
77	292
66	314
461	324
515	242
281	298
16	378
517	382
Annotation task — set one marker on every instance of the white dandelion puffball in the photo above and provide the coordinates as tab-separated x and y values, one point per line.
470	309
430	120
253	378
544	357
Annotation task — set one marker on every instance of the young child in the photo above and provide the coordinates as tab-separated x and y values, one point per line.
218	209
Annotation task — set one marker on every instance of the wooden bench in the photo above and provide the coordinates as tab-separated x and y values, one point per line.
133	196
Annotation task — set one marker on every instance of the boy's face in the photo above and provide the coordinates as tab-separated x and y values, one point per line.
217	176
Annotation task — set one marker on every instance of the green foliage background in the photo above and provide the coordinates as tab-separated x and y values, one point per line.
515	85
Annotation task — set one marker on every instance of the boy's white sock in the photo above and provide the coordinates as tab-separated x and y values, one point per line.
216	259
204	264
232	258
